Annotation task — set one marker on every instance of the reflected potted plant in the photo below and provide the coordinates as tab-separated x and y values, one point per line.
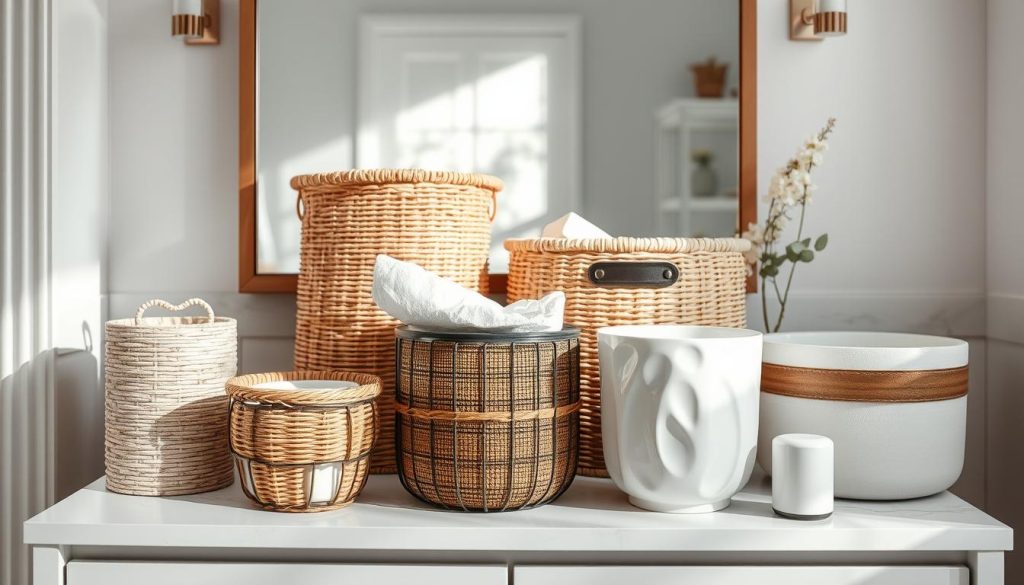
709	78
703	180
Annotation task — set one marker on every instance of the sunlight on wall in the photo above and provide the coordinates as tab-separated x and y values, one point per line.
278	223
495	124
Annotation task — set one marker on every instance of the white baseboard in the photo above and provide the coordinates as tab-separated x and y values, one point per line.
1006	318
955	314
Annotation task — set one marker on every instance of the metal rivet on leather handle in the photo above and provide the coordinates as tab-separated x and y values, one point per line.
599	274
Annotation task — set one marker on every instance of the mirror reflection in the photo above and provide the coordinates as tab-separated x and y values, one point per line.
624	112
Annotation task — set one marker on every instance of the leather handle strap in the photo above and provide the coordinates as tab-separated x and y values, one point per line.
864	386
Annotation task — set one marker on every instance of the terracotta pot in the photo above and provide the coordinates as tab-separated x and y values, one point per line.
709	78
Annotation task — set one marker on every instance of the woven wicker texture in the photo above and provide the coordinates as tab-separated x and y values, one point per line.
165	405
710	291
280	438
439	220
487	426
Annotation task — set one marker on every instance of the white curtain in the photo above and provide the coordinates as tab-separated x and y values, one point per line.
26	361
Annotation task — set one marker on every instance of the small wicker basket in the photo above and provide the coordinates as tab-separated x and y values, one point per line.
487	422
165	419
302	440
439	220
628	281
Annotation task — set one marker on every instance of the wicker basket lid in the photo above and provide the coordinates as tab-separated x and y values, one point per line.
391	176
352	387
627	245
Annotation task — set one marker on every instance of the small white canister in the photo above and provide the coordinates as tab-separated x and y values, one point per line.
803	478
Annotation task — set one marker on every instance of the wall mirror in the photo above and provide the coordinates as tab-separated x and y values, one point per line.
639	115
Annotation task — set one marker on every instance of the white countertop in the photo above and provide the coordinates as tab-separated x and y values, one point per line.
592	516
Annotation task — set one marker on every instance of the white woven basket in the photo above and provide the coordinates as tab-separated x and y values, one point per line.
166	411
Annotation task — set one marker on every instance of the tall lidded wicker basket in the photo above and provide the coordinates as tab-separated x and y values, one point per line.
166	412
439	220
628	281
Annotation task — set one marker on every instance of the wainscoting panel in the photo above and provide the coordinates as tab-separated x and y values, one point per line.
26	362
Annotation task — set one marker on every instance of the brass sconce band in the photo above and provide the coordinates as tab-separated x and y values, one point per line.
864	386
191	25
829	23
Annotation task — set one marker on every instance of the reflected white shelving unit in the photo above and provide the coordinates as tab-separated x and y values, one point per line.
685	125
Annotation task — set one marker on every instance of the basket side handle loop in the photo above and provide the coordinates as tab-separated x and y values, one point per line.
494	205
165	305
300	207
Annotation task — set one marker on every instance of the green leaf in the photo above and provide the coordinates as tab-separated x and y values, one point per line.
806	242
794	250
769	271
806	256
821	242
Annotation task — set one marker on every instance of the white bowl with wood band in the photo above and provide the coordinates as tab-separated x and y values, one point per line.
894	404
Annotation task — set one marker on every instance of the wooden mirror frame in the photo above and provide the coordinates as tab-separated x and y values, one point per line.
249	281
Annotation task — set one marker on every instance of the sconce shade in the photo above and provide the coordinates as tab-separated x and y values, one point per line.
829	24
187	18
198	21
830	18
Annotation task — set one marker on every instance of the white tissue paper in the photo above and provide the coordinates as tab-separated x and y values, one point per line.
424	300
573	226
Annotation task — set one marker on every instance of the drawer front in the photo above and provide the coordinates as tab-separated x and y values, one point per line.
747	575
171	573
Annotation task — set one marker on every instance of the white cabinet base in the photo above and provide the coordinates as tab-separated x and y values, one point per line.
214	573
589	536
761	575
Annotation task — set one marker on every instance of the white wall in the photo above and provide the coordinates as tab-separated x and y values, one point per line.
902	190
78	215
1005	274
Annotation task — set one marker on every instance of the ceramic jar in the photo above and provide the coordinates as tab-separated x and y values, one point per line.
894	404
679	413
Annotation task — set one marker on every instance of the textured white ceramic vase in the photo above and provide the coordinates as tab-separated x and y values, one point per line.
679	413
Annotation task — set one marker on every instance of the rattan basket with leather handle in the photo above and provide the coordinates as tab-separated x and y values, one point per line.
628	281
439	220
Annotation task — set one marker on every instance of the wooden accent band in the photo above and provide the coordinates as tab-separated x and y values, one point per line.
864	386
187	24
502	416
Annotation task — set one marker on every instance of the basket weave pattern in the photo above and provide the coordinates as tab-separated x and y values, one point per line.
487	426
710	290
280	437
439	220
164	402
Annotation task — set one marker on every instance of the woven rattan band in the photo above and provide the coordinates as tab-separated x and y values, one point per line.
241	388
543	413
387	176
863	385
628	245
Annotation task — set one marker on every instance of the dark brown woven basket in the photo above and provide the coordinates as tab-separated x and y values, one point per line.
487	422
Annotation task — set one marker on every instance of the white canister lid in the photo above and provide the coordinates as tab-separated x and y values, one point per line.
803	476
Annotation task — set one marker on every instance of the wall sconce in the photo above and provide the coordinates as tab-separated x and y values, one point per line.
196	20
813	20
